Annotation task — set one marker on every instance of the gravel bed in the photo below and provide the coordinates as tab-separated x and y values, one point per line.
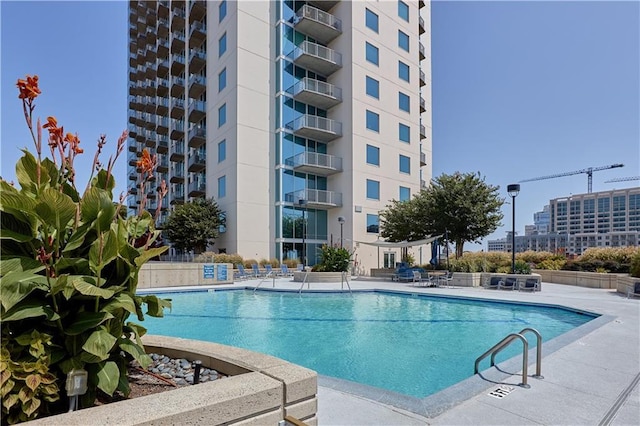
179	371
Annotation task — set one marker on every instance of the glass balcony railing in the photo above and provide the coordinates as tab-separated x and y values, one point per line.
315	198
317	23
317	93
315	162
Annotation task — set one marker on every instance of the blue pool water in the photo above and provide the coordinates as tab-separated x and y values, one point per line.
414	345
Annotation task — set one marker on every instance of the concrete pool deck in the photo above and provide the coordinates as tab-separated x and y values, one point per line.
590	377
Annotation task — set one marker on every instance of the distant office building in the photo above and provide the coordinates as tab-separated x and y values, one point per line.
576	223
542	220
290	114
530	230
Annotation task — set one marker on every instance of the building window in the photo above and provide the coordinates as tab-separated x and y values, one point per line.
403	41
222	151
222	45
371	20
373	87
373	155
404	102
222	10
373	223
403	71
405	164
403	10
404	133
222	186
372	53
373	121
405	193
222	115
222	80
373	189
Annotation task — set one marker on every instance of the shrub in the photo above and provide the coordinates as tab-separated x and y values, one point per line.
634	269
552	264
70	265
333	259
248	262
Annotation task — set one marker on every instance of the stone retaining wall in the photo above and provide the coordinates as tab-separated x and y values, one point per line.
174	274
584	279
261	390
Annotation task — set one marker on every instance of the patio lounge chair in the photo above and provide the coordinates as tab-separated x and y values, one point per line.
256	270
529	284
284	271
493	282
241	274
634	291
510	283
268	270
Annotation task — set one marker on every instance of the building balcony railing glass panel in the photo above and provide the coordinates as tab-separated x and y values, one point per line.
162	48
317	23
163	164
197	9
162	146
177	63
422	51
197	33
197	188
423	104
423	159
177	131
315	198
421	27
162	66
197	85
197	60
198	161
177	108
317	58
423	78
177	151
197	136
315	163
315	127
423	132
317	93
197	110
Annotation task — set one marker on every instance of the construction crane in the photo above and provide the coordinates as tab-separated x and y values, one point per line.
589	171
623	179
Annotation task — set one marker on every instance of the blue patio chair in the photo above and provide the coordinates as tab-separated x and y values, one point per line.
510	283
268	270
300	267
284	271
256	270
241	274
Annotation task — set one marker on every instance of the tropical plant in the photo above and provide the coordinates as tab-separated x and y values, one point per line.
333	259
195	225
69	265
461	204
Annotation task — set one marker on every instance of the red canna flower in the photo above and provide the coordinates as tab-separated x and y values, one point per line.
52	126
147	163
73	142
28	88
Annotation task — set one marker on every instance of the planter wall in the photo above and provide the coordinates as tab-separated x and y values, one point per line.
583	279
318	277
170	274
261	390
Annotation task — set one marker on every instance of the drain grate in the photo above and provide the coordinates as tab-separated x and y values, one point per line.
501	391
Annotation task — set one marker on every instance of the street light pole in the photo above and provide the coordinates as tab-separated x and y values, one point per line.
341	220
303	206
513	191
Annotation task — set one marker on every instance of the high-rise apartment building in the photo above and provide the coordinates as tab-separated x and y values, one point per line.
290	114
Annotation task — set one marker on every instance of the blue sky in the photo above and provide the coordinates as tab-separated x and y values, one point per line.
520	89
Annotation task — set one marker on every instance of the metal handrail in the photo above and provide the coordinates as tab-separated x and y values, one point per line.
503	343
304	280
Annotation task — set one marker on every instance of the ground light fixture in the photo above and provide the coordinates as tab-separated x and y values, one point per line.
341	221
75	386
513	190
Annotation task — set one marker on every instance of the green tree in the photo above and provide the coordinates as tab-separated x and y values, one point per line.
462	204
194	225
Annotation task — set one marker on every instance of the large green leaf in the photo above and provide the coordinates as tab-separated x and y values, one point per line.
85	321
101	181
86	285
97	206
155	305
56	209
17	285
103	252
29	309
135	350
121	301
26	172
77	238
137	330
19	264
150	254
108	377
19	205
99	344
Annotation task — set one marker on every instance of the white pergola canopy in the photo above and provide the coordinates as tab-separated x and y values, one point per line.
400	244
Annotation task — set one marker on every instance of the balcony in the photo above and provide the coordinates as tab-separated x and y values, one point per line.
151	53
133	61
150	104
197	110
162	9
163	164
422	51
323	4
150	122
316	198
197	33
197	136
423	159
423	105
162	105
162	147
133	158
421	27
177	86
177	108
132	142
150	138
197	161
317	128
197	188
423	132
177	173
197	10
421	4
162	86
162	48
177	151
317	23
150	87
315	163
197	85
163	66
423	183
177	63
178	194
317	93
197	60
423	78
162	125
177	132
177	16
317	58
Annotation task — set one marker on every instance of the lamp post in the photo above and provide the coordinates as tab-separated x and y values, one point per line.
341	221
303	206
513	191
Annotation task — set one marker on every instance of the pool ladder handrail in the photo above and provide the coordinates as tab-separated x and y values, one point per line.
269	274
525	353
343	278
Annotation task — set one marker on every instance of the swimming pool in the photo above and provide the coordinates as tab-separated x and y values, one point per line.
412	344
